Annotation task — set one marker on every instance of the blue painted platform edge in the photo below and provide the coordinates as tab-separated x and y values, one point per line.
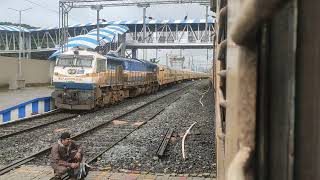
26	118
25	103
6	114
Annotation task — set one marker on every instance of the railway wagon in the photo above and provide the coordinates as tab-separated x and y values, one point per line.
165	75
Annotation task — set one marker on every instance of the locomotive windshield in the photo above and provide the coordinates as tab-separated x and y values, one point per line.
79	61
65	62
83	62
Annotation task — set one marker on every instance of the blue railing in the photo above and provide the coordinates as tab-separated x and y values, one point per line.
27	109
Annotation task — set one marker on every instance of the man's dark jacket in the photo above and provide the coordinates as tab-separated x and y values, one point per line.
62	155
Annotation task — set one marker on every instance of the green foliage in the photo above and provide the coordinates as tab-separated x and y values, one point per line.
154	60
41	55
15	24
34	55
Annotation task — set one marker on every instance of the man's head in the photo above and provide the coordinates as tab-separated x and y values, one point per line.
65	138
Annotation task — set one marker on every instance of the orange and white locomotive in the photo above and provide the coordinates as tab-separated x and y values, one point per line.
85	79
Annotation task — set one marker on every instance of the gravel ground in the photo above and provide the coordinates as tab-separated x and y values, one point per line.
28	143
138	151
10	128
105	136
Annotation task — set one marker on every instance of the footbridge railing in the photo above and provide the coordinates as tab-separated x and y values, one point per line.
169	32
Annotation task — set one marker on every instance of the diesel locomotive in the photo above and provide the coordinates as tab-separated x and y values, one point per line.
85	79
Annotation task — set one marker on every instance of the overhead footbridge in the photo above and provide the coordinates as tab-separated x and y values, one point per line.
162	34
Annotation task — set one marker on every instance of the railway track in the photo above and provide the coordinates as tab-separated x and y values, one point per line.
18	127
123	131
36	122
106	128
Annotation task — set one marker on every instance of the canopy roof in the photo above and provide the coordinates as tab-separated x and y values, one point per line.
135	22
89	40
10	28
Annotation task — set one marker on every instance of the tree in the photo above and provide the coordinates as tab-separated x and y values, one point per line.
154	60
15	24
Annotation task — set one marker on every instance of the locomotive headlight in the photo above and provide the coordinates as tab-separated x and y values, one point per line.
72	71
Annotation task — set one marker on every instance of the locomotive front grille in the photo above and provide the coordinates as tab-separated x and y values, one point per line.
74	97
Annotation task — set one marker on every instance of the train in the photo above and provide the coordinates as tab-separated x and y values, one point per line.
84	80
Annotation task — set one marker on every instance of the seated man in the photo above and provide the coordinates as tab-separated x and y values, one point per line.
65	156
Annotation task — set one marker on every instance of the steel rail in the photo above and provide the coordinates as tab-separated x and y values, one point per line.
93	159
37	126
41	125
30	118
115	143
45	124
22	161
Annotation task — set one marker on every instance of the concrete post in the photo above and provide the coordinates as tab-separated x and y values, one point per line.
134	53
144	24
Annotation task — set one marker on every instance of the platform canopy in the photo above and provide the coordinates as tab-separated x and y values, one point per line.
117	3
132	22
89	40
10	28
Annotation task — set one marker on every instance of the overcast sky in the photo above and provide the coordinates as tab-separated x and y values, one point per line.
44	13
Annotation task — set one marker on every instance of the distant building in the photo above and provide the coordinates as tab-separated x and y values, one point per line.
176	62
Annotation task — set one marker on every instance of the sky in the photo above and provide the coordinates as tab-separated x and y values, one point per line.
44	13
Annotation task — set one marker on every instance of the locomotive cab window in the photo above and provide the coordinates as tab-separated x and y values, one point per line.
112	65
84	61
101	65
65	61
78	61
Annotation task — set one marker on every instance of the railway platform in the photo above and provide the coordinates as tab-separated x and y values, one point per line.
24	103
45	173
9	98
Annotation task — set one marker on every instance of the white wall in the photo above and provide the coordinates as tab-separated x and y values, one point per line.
33	71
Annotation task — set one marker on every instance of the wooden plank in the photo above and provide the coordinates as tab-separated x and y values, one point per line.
164	143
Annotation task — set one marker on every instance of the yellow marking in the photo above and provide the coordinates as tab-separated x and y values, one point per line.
103	76
139	123
101	175
28	171
134	174
60	130
87	75
118	122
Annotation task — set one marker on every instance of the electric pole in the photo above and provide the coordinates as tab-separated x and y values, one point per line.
97	8
19	82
